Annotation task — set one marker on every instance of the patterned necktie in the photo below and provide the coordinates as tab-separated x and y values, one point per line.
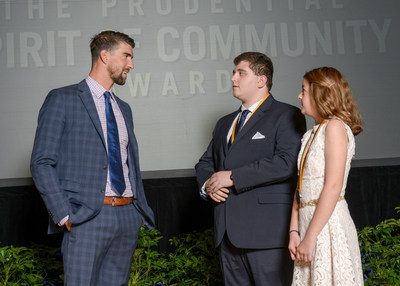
114	153
242	120
239	125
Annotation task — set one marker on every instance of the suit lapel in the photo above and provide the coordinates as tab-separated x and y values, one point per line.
225	128
255	118
87	99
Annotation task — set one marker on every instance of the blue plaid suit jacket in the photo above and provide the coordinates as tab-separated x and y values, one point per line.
69	158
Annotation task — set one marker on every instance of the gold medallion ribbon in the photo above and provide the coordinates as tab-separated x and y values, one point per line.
303	161
247	119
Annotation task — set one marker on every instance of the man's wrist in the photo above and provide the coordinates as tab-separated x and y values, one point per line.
203	192
62	222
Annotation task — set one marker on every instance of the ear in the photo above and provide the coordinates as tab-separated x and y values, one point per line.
104	56
262	81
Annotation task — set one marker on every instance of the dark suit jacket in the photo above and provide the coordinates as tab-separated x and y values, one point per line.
69	159
257	212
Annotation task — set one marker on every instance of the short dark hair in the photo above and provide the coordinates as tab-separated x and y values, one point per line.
260	64
108	40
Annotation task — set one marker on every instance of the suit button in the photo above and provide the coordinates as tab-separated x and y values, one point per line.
105	167
103	190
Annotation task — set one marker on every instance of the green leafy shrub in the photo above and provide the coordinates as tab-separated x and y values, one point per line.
194	260
28	266
148	265
380	252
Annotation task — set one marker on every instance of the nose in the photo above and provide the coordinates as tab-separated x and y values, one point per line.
233	78
299	97
130	64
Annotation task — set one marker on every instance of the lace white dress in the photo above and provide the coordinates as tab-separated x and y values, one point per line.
337	258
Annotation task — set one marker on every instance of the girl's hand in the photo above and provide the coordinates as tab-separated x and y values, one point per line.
294	241
305	250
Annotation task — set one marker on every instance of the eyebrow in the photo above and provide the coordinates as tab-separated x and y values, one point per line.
239	70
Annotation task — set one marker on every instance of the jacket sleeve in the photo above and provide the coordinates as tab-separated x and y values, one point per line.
45	155
206	166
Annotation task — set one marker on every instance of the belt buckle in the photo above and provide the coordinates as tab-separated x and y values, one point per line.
113	201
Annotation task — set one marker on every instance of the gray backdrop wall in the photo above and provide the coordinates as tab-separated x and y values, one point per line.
183	63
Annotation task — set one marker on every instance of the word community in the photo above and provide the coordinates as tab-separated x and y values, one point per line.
195	43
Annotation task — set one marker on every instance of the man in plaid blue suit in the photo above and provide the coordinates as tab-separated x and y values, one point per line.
70	167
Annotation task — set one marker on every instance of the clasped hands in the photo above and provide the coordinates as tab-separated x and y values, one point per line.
301	250
217	186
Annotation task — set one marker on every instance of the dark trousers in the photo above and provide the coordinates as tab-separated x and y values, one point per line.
99	252
258	267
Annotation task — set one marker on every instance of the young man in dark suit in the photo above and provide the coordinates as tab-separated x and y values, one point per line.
85	165
249	171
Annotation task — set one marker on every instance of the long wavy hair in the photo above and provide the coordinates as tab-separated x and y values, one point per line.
332	97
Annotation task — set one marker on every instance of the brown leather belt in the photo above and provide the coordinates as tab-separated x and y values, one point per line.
116	201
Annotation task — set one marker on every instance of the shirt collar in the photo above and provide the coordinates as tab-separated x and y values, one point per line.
96	88
251	108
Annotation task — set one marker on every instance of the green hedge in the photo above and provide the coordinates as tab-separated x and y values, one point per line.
380	252
194	260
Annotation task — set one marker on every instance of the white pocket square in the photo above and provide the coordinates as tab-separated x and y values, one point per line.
258	135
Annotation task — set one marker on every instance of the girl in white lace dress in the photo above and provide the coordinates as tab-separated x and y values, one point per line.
323	239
